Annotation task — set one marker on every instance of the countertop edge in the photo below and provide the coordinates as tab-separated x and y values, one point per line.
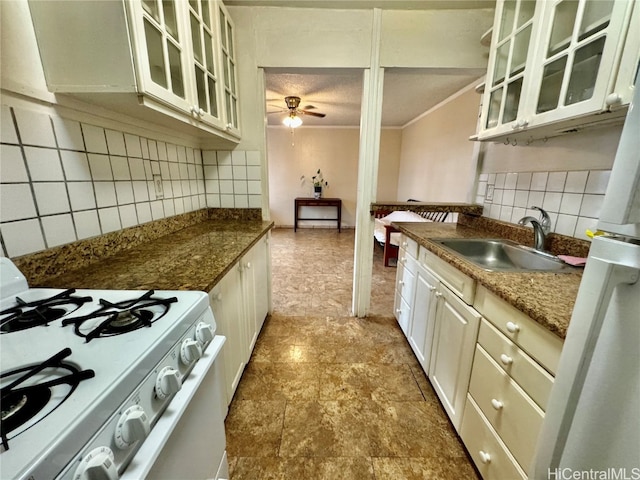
557	324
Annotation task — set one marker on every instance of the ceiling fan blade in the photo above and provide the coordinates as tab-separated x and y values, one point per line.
309	107
313	114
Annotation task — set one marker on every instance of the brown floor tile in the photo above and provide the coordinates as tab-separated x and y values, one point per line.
328	396
394	468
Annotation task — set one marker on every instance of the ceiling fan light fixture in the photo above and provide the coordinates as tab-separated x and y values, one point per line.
292	121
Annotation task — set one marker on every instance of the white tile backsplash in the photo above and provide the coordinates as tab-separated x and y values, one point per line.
539	181
109	219
576	182
43	164
100	167
8	131
120	168
94	139
16	202
51	198
35	128
115	143
556	181
58	230
81	195
573	199
598	181
22	237
87	224
93	180
75	165
133	145
68	134
12	167
570	203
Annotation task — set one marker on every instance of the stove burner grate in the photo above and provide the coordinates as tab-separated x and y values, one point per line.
121	317
22	402
26	315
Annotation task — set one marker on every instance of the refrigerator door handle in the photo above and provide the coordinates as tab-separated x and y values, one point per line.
592	303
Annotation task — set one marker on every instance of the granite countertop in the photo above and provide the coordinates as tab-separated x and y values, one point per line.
467	208
546	297
194	258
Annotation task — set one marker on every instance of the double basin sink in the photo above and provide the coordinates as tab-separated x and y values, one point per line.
503	255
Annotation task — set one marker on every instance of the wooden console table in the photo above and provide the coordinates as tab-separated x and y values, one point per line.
318	202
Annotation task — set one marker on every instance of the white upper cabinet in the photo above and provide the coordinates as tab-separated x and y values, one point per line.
557	65
171	56
227	47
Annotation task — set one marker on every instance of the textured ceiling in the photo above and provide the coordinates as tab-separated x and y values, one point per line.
407	92
338	93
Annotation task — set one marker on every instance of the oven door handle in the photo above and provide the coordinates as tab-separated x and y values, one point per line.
146	456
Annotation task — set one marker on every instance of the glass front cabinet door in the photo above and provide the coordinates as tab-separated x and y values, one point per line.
553	62
181	58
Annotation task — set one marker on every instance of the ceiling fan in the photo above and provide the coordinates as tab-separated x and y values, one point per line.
293	120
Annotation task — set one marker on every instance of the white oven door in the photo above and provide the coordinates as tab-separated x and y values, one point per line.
188	441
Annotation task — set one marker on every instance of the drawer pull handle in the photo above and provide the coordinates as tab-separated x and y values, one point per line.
513	327
431	288
398	310
405	244
438	294
497	404
506	359
485	457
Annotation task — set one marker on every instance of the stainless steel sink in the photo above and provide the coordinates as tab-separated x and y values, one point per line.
504	255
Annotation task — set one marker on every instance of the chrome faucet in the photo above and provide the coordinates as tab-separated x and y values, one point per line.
541	227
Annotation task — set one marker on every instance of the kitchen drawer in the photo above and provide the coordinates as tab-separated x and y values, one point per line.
533	338
408	245
462	285
490	455
521	367
513	415
408	261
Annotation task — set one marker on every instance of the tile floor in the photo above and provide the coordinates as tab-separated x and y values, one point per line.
327	396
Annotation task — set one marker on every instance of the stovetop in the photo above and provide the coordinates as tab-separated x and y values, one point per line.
107	367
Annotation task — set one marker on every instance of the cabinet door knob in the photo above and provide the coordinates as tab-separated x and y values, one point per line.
496	404
506	359
613	99
401	282
432	288
438	294
398	310
513	327
404	244
485	457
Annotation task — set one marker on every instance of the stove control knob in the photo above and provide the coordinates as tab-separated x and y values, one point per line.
132	426
204	333
190	351
98	464
168	382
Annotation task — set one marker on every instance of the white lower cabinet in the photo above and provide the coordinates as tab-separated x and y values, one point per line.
490	364
240	303
489	453
454	335
512	376
405	283
226	303
423	319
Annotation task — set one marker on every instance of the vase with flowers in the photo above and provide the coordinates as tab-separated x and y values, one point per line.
318	182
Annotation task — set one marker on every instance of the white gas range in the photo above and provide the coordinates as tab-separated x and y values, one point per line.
100	383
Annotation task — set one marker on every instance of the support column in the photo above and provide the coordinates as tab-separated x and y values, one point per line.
370	123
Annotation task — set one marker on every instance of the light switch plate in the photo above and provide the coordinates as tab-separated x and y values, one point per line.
489	195
157	184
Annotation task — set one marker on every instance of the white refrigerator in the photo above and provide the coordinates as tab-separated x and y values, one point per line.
592	423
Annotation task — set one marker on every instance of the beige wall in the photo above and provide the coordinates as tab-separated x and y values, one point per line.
335	152
589	150
437	162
